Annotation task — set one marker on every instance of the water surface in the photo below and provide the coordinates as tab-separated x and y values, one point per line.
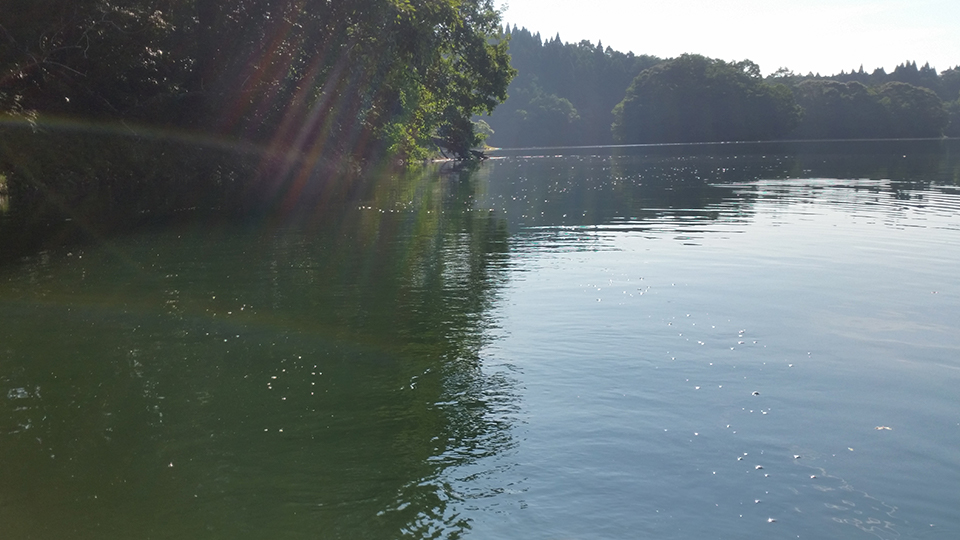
739	341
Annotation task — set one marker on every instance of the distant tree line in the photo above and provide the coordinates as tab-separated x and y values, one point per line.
945	84
909	102
563	94
584	94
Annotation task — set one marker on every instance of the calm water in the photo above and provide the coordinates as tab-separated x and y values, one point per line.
734	341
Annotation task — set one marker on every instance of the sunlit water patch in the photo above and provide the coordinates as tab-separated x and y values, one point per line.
777	362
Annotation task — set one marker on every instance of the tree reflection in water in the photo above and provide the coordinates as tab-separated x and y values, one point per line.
316	374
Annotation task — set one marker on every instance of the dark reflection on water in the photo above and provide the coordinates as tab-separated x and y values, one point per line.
310	380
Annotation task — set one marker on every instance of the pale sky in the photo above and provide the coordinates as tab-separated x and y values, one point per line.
823	36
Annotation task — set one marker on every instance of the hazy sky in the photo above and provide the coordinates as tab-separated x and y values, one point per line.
822	36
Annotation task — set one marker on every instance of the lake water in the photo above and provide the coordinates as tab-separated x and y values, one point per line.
681	342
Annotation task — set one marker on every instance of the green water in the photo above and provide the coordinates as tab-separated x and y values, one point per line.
561	344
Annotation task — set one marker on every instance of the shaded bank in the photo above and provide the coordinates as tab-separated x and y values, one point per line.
84	182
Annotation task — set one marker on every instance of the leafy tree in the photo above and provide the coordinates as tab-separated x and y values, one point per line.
89	58
371	73
548	120
946	84
912	111
834	110
953	119
589	77
909	73
392	71
872	105
950	84
693	98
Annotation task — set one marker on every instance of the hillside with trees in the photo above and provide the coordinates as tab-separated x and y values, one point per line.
697	99
563	93
909	102
579	94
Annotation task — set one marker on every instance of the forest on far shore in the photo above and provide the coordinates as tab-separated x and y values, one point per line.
572	94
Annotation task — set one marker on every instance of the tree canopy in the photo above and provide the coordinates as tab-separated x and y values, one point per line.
910	101
567	94
362	73
563	93
695	99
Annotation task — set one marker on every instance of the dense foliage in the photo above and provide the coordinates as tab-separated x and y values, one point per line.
694	99
198	99
394	71
569	94
563	93
835	110
946	84
909	102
